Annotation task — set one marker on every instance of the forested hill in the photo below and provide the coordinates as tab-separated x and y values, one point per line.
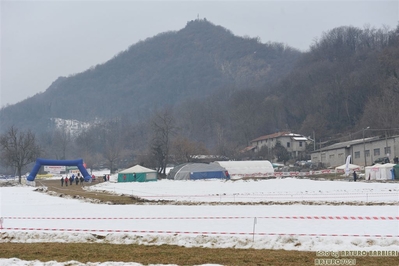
348	80
225	90
167	69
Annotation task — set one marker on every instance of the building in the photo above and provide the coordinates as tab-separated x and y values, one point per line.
295	144
363	151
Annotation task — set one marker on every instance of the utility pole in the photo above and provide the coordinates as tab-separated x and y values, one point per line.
314	141
364	147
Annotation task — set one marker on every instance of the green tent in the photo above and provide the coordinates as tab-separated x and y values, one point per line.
396	171
137	173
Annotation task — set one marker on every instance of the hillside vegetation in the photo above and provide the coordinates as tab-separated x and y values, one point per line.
348	80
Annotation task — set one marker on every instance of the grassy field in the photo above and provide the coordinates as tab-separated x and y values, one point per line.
167	254
163	254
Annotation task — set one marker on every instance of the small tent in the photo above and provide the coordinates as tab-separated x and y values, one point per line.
137	173
379	172
194	171
247	168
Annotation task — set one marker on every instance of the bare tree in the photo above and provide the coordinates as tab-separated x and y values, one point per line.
280	153
184	149
18	149
380	112
86	148
163	127
61	141
114	145
113	151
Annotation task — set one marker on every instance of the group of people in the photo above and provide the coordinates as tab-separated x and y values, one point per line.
78	179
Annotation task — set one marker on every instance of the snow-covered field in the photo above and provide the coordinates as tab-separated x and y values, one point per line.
336	216
272	190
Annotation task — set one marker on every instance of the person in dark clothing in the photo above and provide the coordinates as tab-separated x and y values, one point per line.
66	181
354	176
71	180
81	180
77	180
62	181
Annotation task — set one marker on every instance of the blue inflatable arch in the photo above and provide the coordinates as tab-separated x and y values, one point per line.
40	162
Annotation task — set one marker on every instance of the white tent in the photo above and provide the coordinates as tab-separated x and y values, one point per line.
352	167
137	173
379	172
247	168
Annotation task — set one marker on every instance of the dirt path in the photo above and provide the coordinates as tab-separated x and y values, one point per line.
77	191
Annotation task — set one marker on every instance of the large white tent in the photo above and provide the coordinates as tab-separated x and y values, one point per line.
239	169
379	172
351	167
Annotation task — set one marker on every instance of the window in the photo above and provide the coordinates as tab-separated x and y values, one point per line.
288	144
357	154
340	155
323	157
300	144
367	153
387	150
376	152
332	156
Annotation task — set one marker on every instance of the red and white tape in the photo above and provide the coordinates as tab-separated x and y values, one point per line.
192	233
389	218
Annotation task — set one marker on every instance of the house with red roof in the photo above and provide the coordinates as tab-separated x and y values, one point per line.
295	144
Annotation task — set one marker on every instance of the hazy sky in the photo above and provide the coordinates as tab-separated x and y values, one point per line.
42	40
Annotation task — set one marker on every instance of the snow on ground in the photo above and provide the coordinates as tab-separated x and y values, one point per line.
278	190
29	216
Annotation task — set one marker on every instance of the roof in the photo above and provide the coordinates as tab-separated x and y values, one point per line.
350	167
246	167
183	171
300	138
270	136
281	134
346	144
386	165
249	148
201	167
137	169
